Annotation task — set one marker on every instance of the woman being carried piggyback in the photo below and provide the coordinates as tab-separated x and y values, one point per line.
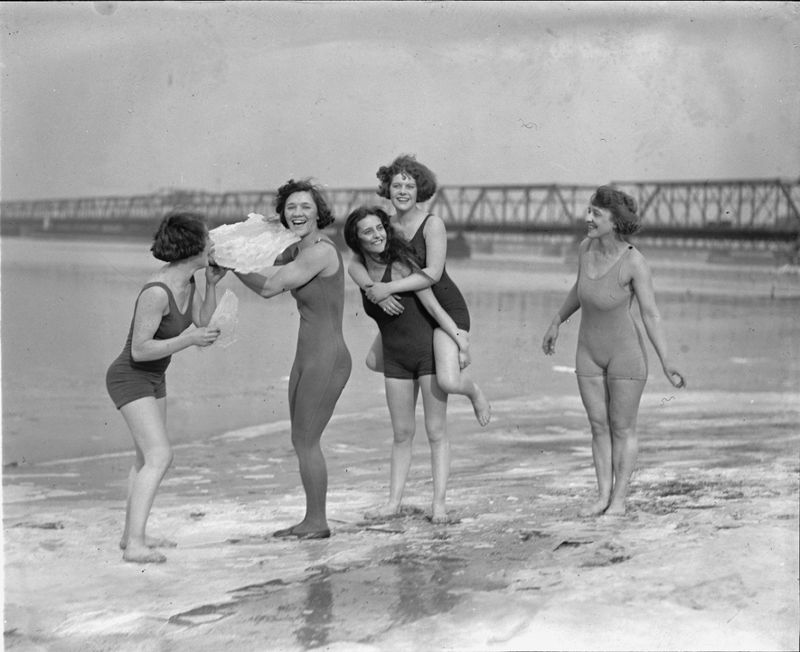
408	183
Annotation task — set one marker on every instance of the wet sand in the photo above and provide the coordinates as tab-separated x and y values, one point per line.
705	559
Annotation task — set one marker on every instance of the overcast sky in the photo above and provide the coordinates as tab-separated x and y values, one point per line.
127	98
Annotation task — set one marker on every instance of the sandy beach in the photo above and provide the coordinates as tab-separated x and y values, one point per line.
705	559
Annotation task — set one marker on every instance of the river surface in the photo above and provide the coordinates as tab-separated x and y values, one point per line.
67	306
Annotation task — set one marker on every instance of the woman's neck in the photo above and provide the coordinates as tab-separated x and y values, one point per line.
309	239
406	217
610	244
180	272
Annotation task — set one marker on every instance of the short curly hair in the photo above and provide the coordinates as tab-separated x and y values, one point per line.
324	214
408	164
181	234
622	207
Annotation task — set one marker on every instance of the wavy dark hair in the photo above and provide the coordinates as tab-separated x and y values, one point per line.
324	214
408	164
181	234
622	207
398	249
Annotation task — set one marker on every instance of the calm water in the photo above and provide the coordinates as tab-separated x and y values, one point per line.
67	306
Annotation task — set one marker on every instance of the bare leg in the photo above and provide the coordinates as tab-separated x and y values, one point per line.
401	397
375	355
594	395
434	401
146	419
623	411
454	380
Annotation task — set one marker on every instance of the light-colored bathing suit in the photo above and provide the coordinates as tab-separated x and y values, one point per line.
609	341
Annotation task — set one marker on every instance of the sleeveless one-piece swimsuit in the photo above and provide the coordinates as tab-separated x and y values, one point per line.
128	380
609	341
322	362
407	338
445	291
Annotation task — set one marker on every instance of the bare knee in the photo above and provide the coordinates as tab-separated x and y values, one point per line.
436	433
372	362
623	431
404	435
159	458
448	382
600	429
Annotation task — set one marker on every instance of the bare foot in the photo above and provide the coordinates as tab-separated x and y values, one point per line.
142	555
384	511
151	542
438	515
482	408
595	509
615	510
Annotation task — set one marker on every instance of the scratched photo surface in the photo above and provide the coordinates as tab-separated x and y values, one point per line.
112	113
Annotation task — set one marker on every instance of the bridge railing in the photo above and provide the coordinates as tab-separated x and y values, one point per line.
756	209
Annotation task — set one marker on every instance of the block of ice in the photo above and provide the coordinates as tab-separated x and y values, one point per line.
251	245
225	318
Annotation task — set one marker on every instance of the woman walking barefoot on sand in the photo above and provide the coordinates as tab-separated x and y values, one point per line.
136	380
406	183
314	274
611	361
409	364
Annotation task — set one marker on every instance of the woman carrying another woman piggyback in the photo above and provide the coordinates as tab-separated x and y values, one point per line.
409	363
407	184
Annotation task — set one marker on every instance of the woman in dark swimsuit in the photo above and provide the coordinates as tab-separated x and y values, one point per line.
407	183
314	274
611	361
409	364
136	380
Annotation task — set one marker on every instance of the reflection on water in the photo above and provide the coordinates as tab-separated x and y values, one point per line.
317	610
67	307
406	582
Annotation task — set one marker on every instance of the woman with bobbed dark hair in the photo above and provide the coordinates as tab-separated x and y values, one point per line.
611	360
409	365
136	381
313	271
407	184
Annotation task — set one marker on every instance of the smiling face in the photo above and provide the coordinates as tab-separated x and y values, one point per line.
403	192
300	213
371	235
599	222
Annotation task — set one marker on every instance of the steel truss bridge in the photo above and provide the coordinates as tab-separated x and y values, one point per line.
760	213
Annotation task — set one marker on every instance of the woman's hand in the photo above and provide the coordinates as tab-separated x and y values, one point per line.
550	337
464	358
377	292
204	336
391	306
674	376
214	273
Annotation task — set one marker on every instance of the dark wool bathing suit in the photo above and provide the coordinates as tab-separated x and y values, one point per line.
128	380
407	338
322	362
609	341
445	291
